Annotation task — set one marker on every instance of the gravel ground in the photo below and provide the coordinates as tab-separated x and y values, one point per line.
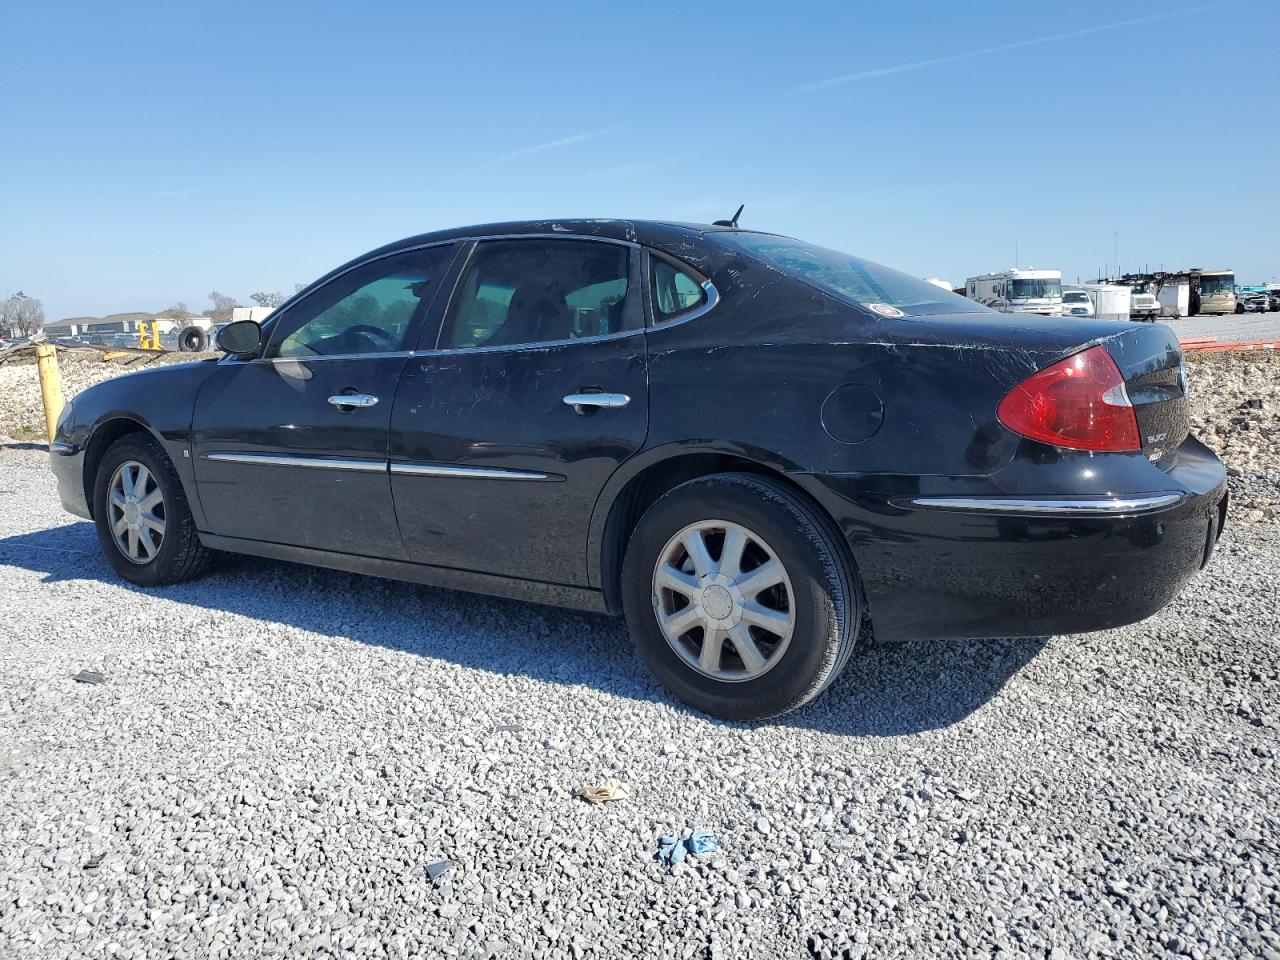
1238	327
1235	409
278	753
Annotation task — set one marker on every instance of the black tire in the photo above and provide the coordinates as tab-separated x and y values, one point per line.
181	555
193	340
827	601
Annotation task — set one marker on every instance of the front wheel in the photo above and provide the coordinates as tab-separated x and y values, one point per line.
740	596
144	525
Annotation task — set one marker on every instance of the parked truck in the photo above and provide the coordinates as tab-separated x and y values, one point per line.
1019	291
1208	291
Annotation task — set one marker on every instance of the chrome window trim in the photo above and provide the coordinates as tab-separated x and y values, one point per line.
389	355
713	298
539	345
693	313
405	469
287	460
1052	506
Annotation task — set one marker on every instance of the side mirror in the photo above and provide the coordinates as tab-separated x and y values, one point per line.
241	339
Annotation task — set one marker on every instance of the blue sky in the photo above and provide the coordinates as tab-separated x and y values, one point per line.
154	152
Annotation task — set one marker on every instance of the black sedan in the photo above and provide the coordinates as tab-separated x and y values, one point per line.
760	451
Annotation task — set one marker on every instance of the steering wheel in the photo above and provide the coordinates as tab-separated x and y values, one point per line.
378	338
375	333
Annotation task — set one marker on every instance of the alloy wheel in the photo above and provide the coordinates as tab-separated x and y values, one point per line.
723	600
135	512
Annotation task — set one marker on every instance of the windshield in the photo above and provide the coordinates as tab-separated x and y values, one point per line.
1219	283
885	291
1034	289
1075	298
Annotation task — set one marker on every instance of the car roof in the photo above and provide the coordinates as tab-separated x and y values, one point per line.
656	232
680	240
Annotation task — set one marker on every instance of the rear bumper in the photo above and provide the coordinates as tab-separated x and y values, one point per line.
987	564
67	464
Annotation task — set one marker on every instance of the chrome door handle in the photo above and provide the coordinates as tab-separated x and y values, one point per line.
354	400
581	402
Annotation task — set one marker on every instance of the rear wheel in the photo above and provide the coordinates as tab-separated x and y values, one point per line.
144	523
739	596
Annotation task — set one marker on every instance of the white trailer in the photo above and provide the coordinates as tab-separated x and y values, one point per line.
1175	299
1019	291
1111	301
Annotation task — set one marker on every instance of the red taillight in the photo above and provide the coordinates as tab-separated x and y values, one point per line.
1079	402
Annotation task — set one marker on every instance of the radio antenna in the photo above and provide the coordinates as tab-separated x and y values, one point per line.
730	223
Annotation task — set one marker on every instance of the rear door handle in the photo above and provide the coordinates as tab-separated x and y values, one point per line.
354	400
581	402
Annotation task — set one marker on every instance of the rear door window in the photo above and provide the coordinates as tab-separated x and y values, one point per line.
516	292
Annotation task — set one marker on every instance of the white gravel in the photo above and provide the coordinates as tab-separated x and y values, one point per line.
1235	406
277	753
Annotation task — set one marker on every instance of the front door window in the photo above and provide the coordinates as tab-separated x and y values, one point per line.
369	310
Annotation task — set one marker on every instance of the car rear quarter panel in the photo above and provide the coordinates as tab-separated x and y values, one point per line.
756	372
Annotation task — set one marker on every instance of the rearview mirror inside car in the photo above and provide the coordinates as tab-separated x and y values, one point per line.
240	339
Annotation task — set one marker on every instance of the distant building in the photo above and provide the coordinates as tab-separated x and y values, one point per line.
111	324
256	314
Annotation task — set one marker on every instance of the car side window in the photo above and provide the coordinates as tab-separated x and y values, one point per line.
368	310
515	292
674	290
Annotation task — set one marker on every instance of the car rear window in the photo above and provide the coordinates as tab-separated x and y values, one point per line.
879	289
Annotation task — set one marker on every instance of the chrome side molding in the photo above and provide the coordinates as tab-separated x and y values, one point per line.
1051	506
473	473
400	468
286	460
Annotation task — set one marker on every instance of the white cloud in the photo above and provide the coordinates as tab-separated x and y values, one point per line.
983	51
556	144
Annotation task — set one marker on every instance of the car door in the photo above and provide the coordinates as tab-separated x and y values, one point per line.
291	447
504	434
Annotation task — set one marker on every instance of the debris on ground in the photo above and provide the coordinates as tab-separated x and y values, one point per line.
438	869
672	850
609	789
90	676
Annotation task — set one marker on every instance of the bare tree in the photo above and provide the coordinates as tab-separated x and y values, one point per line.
272	300
176	312
222	307
23	315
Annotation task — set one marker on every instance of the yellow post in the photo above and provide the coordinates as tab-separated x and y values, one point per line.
50	385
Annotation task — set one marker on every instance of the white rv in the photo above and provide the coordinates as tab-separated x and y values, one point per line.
1019	291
